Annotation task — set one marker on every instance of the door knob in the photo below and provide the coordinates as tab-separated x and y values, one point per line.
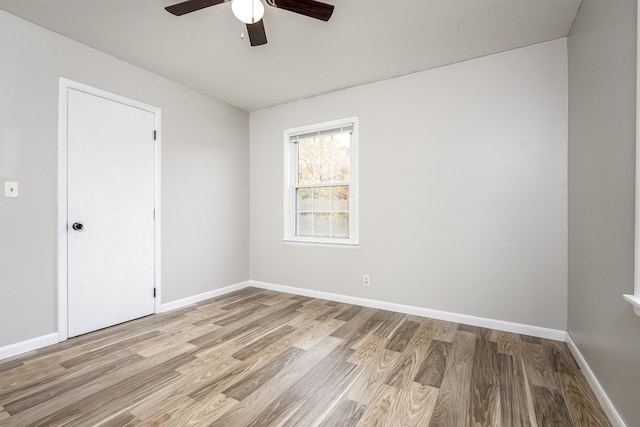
77	226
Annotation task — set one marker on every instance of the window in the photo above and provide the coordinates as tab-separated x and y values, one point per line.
321	183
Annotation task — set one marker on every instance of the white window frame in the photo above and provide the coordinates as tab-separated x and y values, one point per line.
290	176
635	298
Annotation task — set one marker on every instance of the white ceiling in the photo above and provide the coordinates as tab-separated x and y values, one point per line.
365	40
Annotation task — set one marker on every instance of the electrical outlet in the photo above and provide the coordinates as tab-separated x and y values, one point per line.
10	189
365	280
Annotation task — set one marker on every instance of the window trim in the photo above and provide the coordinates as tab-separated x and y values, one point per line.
634	299
290	179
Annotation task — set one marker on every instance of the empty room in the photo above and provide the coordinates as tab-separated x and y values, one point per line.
304	213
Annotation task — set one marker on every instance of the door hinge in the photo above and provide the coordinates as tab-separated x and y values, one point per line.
154	214
155	135
154	292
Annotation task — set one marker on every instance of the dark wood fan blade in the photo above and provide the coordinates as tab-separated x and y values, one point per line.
257	35
189	6
311	8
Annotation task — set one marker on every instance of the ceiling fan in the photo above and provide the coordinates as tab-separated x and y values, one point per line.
251	11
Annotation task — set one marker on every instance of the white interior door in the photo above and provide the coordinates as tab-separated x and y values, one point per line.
110	200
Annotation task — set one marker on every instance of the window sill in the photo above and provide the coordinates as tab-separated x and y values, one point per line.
321	244
635	302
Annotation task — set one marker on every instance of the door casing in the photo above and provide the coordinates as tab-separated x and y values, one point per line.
62	256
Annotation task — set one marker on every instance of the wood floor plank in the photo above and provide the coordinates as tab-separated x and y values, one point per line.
346	413
369	327
92	388
258	357
316	375
28	375
411	359
402	336
279	411
10	364
265	325
348	313
367	350
550	407
247	385
194	375
175	415
539	368
416	406
61	387
531	340
149	406
170	339
561	358
453	400
381	410
319	332
389	322
314	308
528	391
91	356
227	318
132	389
124	419
243	302
433	366
374	376
445	331
235	372
581	402
354	326
301	298
484	390
508	343
402	375
258	401
60	417
333	311
263	342
323	395
513	398
241	327
231	297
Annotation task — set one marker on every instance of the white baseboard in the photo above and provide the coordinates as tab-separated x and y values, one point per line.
202	297
518	328
614	417
28	345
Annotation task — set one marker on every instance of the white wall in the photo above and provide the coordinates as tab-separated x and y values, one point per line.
205	204
463	190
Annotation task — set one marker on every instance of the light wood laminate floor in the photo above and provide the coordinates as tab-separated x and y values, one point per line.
263	358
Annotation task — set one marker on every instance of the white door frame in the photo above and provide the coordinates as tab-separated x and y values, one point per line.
64	87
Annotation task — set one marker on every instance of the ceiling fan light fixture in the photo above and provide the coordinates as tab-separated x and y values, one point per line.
248	11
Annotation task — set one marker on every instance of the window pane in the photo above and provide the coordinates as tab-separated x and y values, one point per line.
305	173
340	198
305	150
303	200
304	225
321	224
322	148
321	202
323	171
340	225
342	146
341	170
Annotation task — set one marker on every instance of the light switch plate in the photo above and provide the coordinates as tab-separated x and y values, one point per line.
10	189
